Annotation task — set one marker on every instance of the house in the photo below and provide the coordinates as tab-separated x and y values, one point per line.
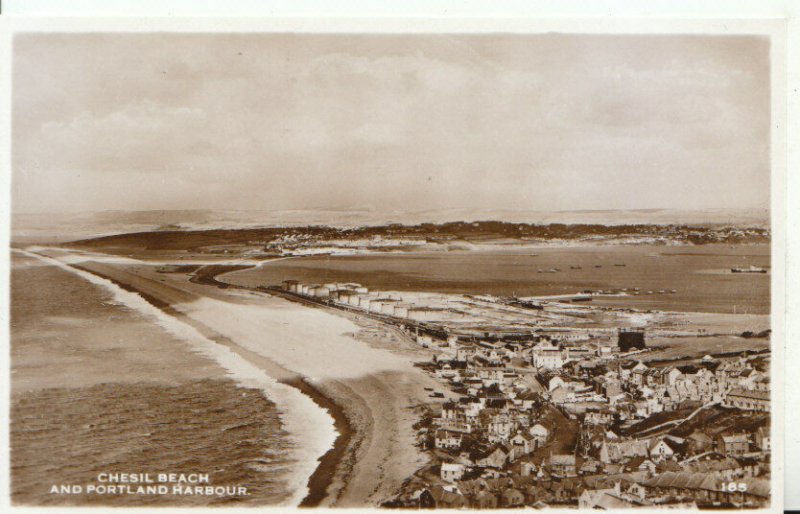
638	373
661	450
451	410
484	500
590	466
561	394
673	376
598	418
563	465
555	383
450	471
500	428
471	408
494	457
440	498
610	499
733	444
746	399
465	352
605	351
521	444
699	441
512	498
700	487
712	463
446	440
539	433
526	400
613	390
547	356
665	448
639	464
618	451
656	377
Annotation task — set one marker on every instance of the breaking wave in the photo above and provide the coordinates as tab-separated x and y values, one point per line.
311	428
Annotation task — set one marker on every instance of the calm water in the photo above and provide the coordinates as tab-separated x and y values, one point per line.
700	275
96	387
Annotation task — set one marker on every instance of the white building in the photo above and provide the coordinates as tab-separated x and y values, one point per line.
547	356
400	310
426	314
450	471
319	292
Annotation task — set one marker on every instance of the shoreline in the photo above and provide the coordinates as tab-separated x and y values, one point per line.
378	391
325	472
323	476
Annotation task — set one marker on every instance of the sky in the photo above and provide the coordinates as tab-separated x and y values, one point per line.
389	122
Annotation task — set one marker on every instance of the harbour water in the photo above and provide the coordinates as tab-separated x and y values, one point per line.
700	275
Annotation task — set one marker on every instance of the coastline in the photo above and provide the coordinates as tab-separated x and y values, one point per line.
322	477
377	390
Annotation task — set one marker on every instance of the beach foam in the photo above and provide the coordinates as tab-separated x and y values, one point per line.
311	429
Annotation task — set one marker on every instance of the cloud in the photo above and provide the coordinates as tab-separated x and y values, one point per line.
285	121
135	138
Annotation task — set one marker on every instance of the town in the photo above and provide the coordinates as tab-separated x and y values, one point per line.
539	410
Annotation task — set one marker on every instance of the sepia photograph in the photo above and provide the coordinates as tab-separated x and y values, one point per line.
401	270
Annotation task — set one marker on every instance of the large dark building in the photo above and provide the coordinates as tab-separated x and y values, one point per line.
631	340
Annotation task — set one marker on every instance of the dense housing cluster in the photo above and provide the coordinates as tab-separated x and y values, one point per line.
571	417
597	429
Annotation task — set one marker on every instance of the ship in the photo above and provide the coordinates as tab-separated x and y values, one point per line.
750	269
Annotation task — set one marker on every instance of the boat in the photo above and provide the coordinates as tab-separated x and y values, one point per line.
750	269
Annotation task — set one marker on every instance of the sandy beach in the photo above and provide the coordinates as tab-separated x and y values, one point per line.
370	391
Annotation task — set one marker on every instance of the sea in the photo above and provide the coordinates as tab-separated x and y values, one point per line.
98	387
700	275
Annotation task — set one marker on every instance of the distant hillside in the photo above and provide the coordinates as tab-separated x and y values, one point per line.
472	232
56	227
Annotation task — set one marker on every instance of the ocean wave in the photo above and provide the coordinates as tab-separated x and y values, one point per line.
311	428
